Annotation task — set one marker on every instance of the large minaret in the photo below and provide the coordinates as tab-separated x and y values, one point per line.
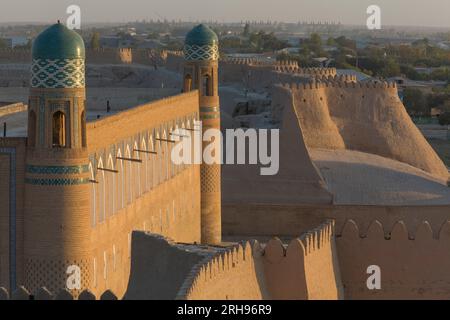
57	224
201	53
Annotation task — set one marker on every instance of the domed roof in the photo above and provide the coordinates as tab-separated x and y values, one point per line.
58	42
201	35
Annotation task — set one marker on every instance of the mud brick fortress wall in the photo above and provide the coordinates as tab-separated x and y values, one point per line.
154	195
323	110
173	59
97	56
231	275
109	56
12	108
256	75
413	265
245	271
320	264
337	109
306	269
15	56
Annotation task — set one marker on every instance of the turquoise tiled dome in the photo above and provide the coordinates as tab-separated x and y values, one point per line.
201	44
58	59
201	35
58	42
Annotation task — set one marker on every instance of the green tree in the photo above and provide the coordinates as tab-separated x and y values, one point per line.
315	43
415	102
391	68
344	42
246	32
444	119
2	44
153	36
441	74
262	41
331	42
95	41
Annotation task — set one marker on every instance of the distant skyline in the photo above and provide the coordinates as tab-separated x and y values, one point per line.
430	13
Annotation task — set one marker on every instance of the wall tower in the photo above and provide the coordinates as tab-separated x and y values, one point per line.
57	225
201	53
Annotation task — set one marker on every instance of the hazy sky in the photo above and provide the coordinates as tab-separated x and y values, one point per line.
394	12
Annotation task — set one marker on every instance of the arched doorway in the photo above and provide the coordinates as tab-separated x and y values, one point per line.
187	83
59	130
207	85
83	129
32	129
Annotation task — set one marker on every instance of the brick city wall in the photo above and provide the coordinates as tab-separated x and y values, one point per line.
307	269
412	265
12	108
154	195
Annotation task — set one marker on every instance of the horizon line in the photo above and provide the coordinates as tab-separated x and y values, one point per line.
386	26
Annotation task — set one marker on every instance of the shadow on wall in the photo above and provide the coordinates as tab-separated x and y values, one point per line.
306	269
43	293
158	267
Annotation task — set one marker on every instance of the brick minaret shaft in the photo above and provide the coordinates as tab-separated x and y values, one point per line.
201	73
57	222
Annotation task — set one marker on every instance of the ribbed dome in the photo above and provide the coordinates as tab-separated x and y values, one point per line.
58	42
201	35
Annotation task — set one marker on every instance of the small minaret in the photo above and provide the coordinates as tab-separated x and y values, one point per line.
57	224
201	53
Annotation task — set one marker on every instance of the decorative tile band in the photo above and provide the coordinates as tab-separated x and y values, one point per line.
209	109
210	116
201	53
57	169
59	73
57	182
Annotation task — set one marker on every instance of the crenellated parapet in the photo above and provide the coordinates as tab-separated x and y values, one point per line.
318	71
42	293
306	268
407	264
177	53
339	82
8	55
207	279
308	243
240	61
399	231
330	111
338	78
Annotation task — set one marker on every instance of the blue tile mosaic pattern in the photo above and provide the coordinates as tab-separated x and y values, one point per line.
201	53
58	73
56	182
57	169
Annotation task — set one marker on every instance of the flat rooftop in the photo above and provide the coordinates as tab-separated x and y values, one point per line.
120	99
357	178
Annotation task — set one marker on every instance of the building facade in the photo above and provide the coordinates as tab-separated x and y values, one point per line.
75	191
